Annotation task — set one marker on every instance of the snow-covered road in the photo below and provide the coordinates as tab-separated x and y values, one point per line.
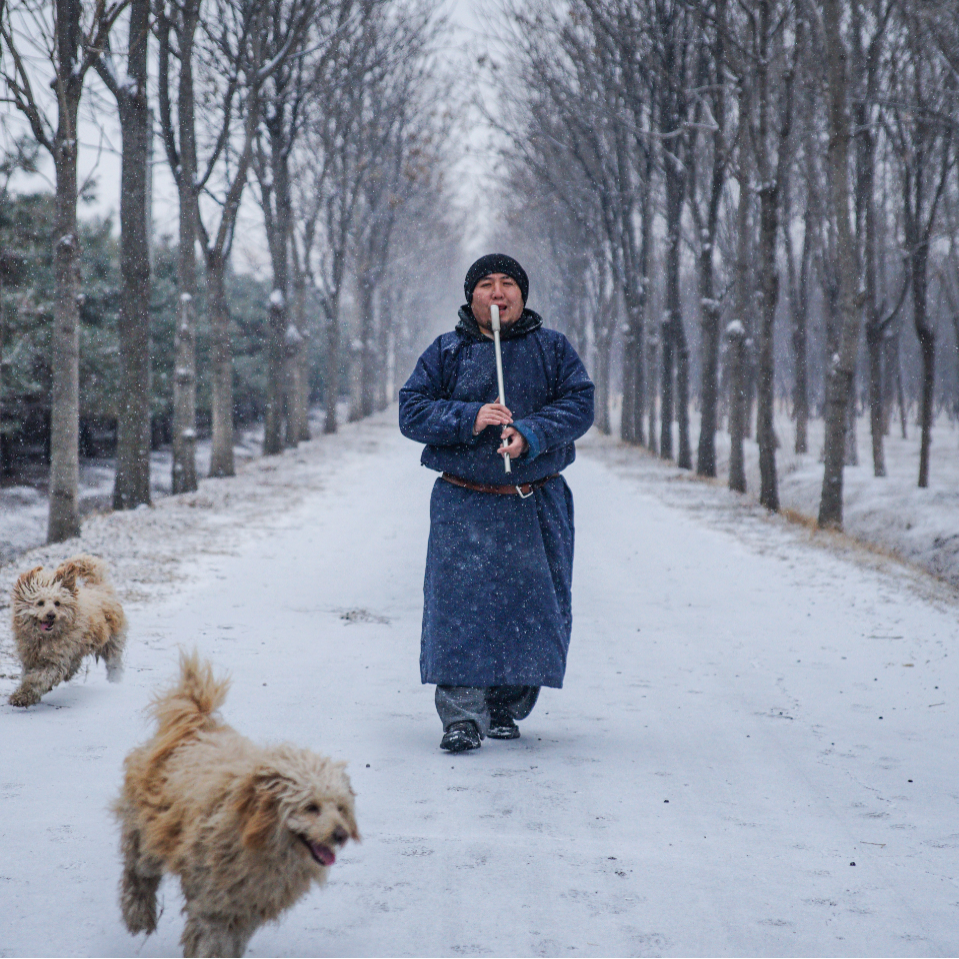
746	715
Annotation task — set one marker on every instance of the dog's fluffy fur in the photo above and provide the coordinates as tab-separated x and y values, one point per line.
247	828
57	622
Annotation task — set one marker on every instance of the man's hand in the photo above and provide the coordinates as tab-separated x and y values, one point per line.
492	414
514	443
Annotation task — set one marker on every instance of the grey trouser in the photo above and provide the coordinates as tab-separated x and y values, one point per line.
456	703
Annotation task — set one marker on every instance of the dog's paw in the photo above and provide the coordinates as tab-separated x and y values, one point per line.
139	914
24	697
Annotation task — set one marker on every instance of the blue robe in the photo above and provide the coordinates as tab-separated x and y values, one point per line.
499	568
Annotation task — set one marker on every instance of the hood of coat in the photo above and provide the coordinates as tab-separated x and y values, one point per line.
527	322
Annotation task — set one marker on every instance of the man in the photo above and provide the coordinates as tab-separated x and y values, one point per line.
496	616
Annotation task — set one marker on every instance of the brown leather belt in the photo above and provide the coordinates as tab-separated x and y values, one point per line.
524	490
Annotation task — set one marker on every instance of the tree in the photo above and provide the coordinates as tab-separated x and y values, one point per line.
709	154
843	363
129	88
176	27
921	131
67	39
582	127
283	115
670	24
764	45
234	67
332	174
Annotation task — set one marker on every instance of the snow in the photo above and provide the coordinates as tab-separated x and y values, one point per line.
735	328
24	510
714	764
276	299
887	515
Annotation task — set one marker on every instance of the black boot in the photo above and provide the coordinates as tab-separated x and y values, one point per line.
461	737
501	724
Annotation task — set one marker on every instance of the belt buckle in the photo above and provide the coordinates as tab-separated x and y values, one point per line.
522	495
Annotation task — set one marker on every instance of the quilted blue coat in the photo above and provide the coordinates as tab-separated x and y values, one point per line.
499	568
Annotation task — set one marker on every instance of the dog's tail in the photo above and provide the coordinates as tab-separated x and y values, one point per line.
187	708
88	568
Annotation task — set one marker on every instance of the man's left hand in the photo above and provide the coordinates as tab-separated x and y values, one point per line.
514	443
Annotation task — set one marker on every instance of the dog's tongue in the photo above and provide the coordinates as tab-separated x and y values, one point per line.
323	853
46	627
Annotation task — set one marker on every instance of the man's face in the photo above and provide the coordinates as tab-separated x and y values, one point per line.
502	290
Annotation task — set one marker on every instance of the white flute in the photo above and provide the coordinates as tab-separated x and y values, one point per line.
494	322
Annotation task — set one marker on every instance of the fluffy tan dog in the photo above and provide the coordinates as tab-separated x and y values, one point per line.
248	829
57	622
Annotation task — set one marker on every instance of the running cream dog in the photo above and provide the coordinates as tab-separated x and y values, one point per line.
248	829
57	622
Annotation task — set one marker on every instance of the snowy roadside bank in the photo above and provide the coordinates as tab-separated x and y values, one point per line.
888	515
24	506
152	550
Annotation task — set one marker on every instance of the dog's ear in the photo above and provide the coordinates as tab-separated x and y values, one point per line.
67	576
355	831
24	579
341	767
258	809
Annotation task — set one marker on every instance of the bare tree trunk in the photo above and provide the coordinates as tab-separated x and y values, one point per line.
332	388
64	517
765	383
132	484
926	334
279	227
631	424
184	476
799	302
303	370
652	388
603	340
890	362
636	299
300	423
684	458
675	351
863	69
368	377
771	176
667	365
707	223
297	409
851	453
843	365
275	368
221	455
386	354
354	365
736	336
865	190
709	395
895	365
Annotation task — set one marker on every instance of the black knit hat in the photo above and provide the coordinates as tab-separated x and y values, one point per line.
495	263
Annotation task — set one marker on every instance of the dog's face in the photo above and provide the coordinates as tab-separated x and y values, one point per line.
304	804
45	604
